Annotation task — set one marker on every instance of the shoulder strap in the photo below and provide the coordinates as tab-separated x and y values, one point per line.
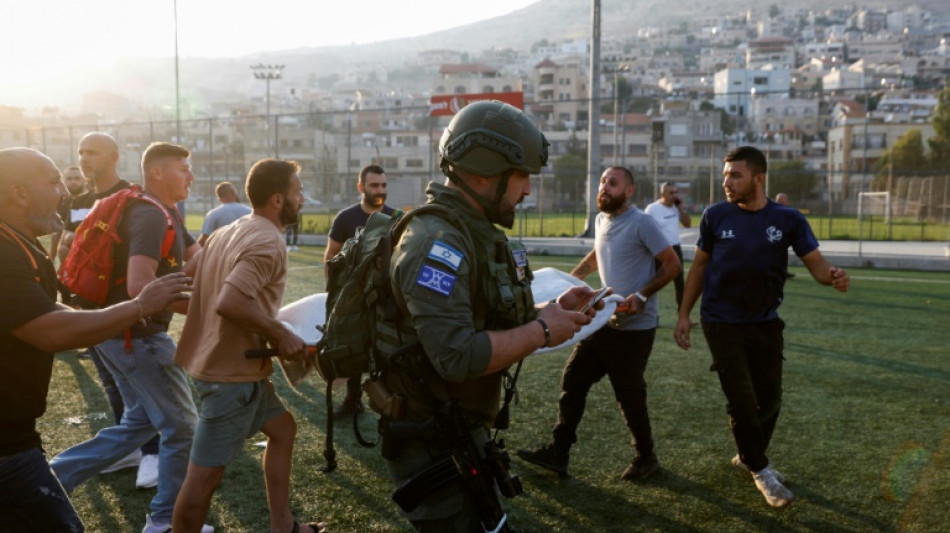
12	236
169	239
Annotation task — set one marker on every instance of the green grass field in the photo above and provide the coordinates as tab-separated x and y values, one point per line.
864	436
571	224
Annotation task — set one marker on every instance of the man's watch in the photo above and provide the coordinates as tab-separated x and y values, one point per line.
641	297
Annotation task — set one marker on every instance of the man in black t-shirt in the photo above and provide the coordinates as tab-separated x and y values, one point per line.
372	187
33	326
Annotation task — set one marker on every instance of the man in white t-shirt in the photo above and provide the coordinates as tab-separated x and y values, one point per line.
668	213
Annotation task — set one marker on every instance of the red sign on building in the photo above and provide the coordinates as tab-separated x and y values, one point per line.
449	104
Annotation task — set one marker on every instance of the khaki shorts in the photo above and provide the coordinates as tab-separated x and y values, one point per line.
229	414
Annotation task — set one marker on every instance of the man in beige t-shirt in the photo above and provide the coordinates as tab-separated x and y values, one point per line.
239	285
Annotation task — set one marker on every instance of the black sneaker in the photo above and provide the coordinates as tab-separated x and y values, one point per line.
547	456
641	467
347	409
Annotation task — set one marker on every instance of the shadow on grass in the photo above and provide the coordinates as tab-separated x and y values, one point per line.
897	366
92	393
841	512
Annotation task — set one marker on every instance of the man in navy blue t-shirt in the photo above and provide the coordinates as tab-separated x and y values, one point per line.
739	268
372	187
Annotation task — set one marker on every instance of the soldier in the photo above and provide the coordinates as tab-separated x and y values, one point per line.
467	315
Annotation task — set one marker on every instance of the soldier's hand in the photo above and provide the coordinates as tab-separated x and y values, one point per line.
575	297
162	292
562	323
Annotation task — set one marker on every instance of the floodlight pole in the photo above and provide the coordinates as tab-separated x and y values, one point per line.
268	73
593	122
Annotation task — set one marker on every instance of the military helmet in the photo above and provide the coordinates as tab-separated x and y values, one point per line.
488	138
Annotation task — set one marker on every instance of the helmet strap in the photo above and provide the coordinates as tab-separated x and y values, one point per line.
489	207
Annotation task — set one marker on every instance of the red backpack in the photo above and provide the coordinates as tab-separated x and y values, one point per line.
87	269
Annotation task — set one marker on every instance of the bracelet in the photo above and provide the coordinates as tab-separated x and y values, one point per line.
547	333
141	319
641	297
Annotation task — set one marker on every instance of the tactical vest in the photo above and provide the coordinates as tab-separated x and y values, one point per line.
502	299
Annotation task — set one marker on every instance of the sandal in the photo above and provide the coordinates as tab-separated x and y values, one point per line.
319	527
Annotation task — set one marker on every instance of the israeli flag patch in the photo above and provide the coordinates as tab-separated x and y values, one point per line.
446	255
436	280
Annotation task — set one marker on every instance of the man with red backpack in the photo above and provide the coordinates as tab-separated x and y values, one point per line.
33	327
156	390
98	157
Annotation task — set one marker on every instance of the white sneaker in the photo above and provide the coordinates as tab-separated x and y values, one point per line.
775	493
152	527
129	461
147	476
736	462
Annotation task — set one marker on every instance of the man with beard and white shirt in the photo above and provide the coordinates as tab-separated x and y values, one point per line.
627	245
62	240
239	280
372	187
669	214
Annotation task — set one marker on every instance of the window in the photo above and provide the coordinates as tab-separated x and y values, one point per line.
678	129
678	151
459	89
354	163
414	162
407	140
488	89
760	80
637	150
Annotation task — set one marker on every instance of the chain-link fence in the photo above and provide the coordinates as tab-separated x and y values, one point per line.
332	147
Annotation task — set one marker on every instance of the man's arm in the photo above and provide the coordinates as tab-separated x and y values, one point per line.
669	267
586	266
691	292
512	345
333	248
202	239
826	273
684	218
141	272
246	312
65	328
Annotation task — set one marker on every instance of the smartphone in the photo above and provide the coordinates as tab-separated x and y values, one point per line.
598	296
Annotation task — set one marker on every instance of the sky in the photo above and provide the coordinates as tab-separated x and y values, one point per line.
42	39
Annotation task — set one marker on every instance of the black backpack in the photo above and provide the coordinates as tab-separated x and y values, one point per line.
358	285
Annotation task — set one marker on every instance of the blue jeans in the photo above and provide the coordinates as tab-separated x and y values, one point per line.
31	498
115	398
157	398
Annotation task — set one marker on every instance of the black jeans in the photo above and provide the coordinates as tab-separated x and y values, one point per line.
31	498
621	356
748	359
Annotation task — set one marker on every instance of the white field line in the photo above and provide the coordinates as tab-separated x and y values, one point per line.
907	280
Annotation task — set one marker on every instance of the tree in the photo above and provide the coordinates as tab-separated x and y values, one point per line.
905	158
940	142
793	178
774	11
570	170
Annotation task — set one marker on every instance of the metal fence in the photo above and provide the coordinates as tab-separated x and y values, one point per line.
331	147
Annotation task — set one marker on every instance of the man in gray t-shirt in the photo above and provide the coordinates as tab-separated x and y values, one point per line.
626	244
230	210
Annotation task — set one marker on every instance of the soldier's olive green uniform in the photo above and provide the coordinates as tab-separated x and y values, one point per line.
447	310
